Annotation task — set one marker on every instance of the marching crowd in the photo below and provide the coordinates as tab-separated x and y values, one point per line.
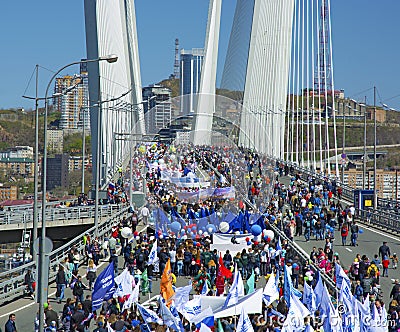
303	208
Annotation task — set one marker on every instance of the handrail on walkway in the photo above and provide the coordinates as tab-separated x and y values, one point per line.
12	282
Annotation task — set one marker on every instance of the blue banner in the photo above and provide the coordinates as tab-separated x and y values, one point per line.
103	289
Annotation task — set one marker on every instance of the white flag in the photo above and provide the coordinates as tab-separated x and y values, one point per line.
244	323
124	283
236	290
153	254
134	297
192	308
271	291
182	296
204	328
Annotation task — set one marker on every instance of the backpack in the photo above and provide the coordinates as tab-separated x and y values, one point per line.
252	258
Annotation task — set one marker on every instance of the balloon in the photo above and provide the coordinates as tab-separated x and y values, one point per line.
137	238
161	236
200	232
183	231
360	231
247	239
256	243
135	233
194	228
270	234
142	149
256	230
310	278
198	244
249	243
175	227
126	232
224	227
205	234
211	228
194	243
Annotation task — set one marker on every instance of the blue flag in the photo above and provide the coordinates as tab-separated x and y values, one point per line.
103	289
286	285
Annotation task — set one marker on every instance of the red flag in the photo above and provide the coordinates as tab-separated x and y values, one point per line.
222	269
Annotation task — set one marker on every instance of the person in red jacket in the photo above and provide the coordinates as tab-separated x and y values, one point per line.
344	231
385	264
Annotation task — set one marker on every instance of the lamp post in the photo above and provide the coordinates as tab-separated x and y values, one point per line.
375	191
43	283
36	158
83	150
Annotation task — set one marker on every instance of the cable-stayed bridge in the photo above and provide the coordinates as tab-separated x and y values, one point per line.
280	59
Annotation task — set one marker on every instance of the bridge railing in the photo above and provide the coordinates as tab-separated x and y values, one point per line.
12	282
57	213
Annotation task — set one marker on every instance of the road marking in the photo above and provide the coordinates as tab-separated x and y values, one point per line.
348	249
51	294
380	233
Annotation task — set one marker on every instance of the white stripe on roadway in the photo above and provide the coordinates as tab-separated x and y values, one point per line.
51	294
348	249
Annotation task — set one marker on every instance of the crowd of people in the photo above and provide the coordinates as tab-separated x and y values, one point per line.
308	208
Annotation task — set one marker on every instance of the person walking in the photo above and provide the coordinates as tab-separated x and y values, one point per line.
145	214
78	290
385	264
10	324
384	250
61	282
91	273
29	281
354	233
344	232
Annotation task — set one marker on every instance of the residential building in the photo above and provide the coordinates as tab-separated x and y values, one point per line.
18	152
57	171
55	140
191	63
75	163
8	193
17	167
73	102
386	183
157	109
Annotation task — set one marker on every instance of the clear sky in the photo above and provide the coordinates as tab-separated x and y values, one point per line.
51	33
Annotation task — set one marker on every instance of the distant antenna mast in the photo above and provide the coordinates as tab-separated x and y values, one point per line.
176	63
323	79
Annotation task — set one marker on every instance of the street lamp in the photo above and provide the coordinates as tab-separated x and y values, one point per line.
375	191
43	284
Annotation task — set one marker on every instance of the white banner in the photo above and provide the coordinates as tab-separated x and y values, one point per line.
223	242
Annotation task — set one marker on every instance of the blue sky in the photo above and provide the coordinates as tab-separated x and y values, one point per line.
51	33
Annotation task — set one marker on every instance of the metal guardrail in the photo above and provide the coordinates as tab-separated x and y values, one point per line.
12	282
56	213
